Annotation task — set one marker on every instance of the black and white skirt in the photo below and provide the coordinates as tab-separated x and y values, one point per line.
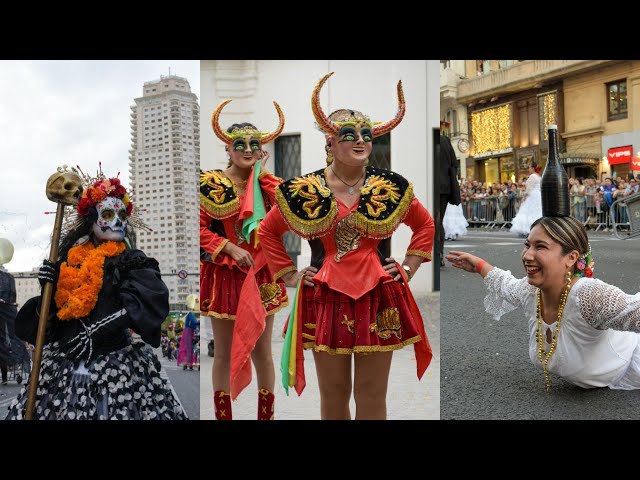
122	385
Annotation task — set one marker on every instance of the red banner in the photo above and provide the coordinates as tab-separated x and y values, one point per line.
620	155
635	163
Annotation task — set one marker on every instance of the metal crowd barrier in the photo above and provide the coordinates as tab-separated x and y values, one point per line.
490	212
622	218
625	213
603	218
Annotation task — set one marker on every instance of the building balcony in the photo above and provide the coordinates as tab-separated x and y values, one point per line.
521	76
449	83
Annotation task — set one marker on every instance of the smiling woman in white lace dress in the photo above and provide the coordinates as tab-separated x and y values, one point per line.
580	328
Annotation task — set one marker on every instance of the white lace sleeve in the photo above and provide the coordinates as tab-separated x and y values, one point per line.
505	292
605	306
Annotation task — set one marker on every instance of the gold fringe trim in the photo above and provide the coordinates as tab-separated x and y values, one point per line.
420	253
217	251
380	229
265	172
308	337
276	310
310	325
223	210
307	229
366	348
219	211
284	271
226	316
223	316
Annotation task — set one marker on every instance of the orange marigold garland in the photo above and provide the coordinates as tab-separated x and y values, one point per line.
80	278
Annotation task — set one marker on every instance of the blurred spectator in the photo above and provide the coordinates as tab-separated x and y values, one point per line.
577	192
449	190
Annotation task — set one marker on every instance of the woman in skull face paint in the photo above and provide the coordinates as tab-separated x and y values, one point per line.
91	366
354	299
232	203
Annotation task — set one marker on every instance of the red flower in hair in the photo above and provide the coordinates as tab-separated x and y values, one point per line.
101	189
588	272
84	206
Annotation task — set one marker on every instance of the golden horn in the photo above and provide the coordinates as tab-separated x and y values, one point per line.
220	133
273	135
326	125
393	123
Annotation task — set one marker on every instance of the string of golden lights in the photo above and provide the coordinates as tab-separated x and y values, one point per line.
491	129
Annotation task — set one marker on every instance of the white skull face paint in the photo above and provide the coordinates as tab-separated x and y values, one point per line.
112	220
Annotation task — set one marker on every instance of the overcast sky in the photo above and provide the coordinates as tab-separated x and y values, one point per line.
64	112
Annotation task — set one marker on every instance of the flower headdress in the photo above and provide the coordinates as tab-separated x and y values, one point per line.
332	127
101	189
96	189
584	265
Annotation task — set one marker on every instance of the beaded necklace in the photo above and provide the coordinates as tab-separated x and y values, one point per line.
545	357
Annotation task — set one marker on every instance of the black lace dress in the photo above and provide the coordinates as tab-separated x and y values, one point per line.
92	368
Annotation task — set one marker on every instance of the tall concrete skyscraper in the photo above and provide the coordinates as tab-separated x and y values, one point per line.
164	161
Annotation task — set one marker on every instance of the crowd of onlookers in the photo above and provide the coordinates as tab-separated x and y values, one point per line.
591	199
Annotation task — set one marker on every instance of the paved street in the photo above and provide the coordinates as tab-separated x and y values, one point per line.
486	371
407	398
7	393
185	383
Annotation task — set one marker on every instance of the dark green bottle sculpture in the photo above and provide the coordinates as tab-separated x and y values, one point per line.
554	185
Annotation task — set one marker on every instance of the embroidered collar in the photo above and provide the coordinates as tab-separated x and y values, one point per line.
218	195
310	208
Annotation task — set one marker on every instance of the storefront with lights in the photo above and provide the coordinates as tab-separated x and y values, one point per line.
506	138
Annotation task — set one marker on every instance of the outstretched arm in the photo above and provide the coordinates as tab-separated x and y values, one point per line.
469	263
504	292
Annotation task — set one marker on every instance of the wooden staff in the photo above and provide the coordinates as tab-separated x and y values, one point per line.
64	188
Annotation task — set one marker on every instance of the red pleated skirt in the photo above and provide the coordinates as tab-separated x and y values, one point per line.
379	321
220	288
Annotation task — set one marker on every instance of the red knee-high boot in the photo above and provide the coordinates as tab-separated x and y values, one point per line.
222	404
265	404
